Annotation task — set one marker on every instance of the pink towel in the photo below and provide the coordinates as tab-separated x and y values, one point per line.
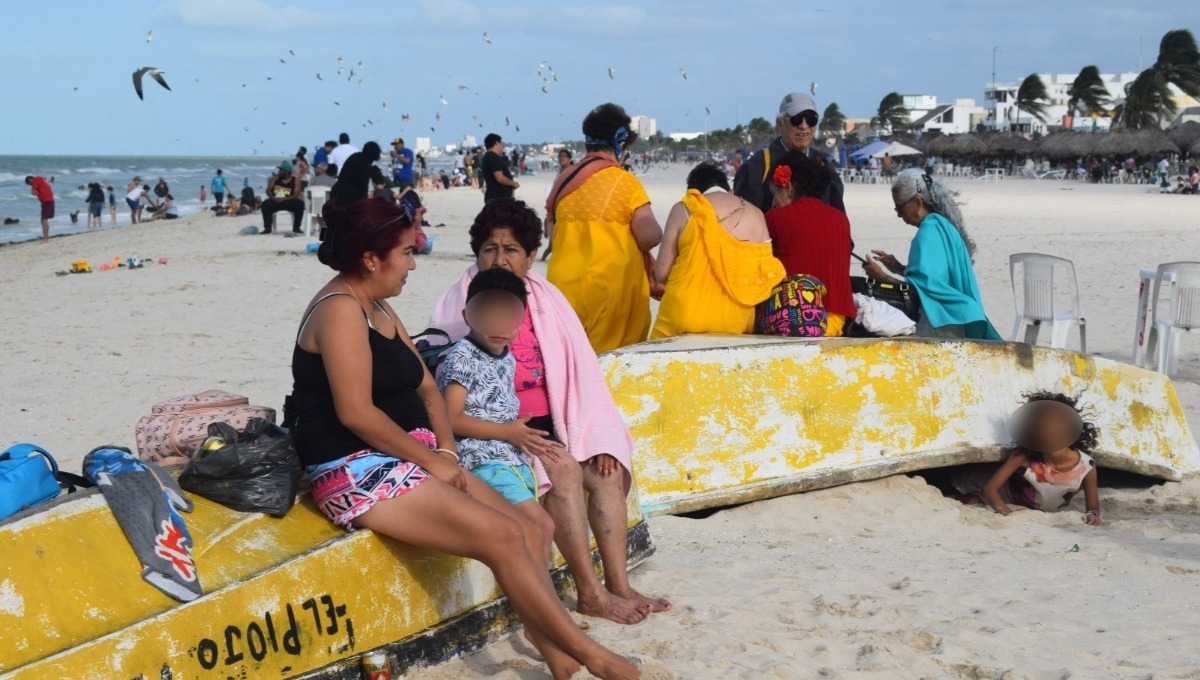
573	378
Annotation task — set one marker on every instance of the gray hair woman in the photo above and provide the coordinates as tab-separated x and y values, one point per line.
939	261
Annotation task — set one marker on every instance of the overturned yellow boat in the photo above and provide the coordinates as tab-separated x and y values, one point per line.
290	597
716	420
719	420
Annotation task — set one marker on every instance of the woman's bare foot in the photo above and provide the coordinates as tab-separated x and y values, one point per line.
562	665
650	605
614	667
606	605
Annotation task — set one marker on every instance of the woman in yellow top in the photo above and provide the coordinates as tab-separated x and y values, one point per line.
715	260
601	228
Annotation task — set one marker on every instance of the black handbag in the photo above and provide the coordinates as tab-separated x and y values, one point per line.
901	296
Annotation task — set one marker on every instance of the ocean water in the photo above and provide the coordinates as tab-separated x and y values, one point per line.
72	174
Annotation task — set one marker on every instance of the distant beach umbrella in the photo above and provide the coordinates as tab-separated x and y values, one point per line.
1185	135
144	71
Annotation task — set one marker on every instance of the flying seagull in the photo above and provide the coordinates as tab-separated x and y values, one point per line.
292	52
541	64
438	115
281	60
487	38
812	87
506	121
463	87
683	72
443	98
337	103
360	66
147	71
518	127
319	77
405	117
385	108
707	112
150	36
610	74
544	90
340	60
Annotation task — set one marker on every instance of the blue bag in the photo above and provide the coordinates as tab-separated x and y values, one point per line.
27	480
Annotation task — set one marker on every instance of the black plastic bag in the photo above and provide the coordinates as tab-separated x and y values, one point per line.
253	471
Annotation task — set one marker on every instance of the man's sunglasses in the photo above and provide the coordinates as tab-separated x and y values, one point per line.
809	117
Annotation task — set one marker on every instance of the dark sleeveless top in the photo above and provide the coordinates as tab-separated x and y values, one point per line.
396	372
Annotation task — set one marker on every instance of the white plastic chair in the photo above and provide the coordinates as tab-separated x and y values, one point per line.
316	201
1036	304
1181	315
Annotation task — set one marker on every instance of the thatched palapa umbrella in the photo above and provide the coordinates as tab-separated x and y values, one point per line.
1186	135
1009	145
1065	146
967	145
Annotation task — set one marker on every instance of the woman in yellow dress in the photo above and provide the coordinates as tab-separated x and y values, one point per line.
601	228
715	260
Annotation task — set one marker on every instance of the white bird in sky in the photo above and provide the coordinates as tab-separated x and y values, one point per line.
385	108
443	98
812	87
150	36
340	60
683	72
487	38
610	74
438	115
545	90
360	66
541	64
144	71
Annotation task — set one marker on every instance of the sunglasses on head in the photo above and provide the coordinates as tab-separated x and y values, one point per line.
809	117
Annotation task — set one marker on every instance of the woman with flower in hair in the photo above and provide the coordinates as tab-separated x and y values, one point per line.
601	230
715	260
808	236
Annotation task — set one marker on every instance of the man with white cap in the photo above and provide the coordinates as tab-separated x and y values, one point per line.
797	125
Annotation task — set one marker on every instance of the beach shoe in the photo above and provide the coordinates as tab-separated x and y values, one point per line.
249	231
162	260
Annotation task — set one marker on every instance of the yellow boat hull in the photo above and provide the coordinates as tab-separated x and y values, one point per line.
283	598
719	420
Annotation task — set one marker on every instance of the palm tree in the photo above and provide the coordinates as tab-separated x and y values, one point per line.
1087	93
1148	99
833	122
1031	98
892	114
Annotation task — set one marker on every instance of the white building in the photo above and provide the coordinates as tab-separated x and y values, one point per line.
467	142
644	126
685	136
1003	114
927	115
423	145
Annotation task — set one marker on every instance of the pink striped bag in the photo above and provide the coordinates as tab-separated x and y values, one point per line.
177	427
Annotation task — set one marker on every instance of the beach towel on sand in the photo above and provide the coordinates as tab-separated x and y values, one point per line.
584	413
145	501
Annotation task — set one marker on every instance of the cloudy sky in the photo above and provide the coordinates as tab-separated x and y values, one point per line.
68	64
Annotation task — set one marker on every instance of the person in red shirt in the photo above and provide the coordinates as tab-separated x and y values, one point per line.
810	237
41	188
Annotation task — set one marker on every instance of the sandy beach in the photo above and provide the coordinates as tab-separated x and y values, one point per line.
885	579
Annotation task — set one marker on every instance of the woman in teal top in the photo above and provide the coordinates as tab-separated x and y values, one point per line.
939	261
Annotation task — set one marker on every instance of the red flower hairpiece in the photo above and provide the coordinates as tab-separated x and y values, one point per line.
782	176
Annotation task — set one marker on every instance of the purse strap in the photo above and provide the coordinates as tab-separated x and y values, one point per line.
69	479
24	449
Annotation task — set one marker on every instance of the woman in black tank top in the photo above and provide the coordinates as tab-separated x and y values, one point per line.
373	432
